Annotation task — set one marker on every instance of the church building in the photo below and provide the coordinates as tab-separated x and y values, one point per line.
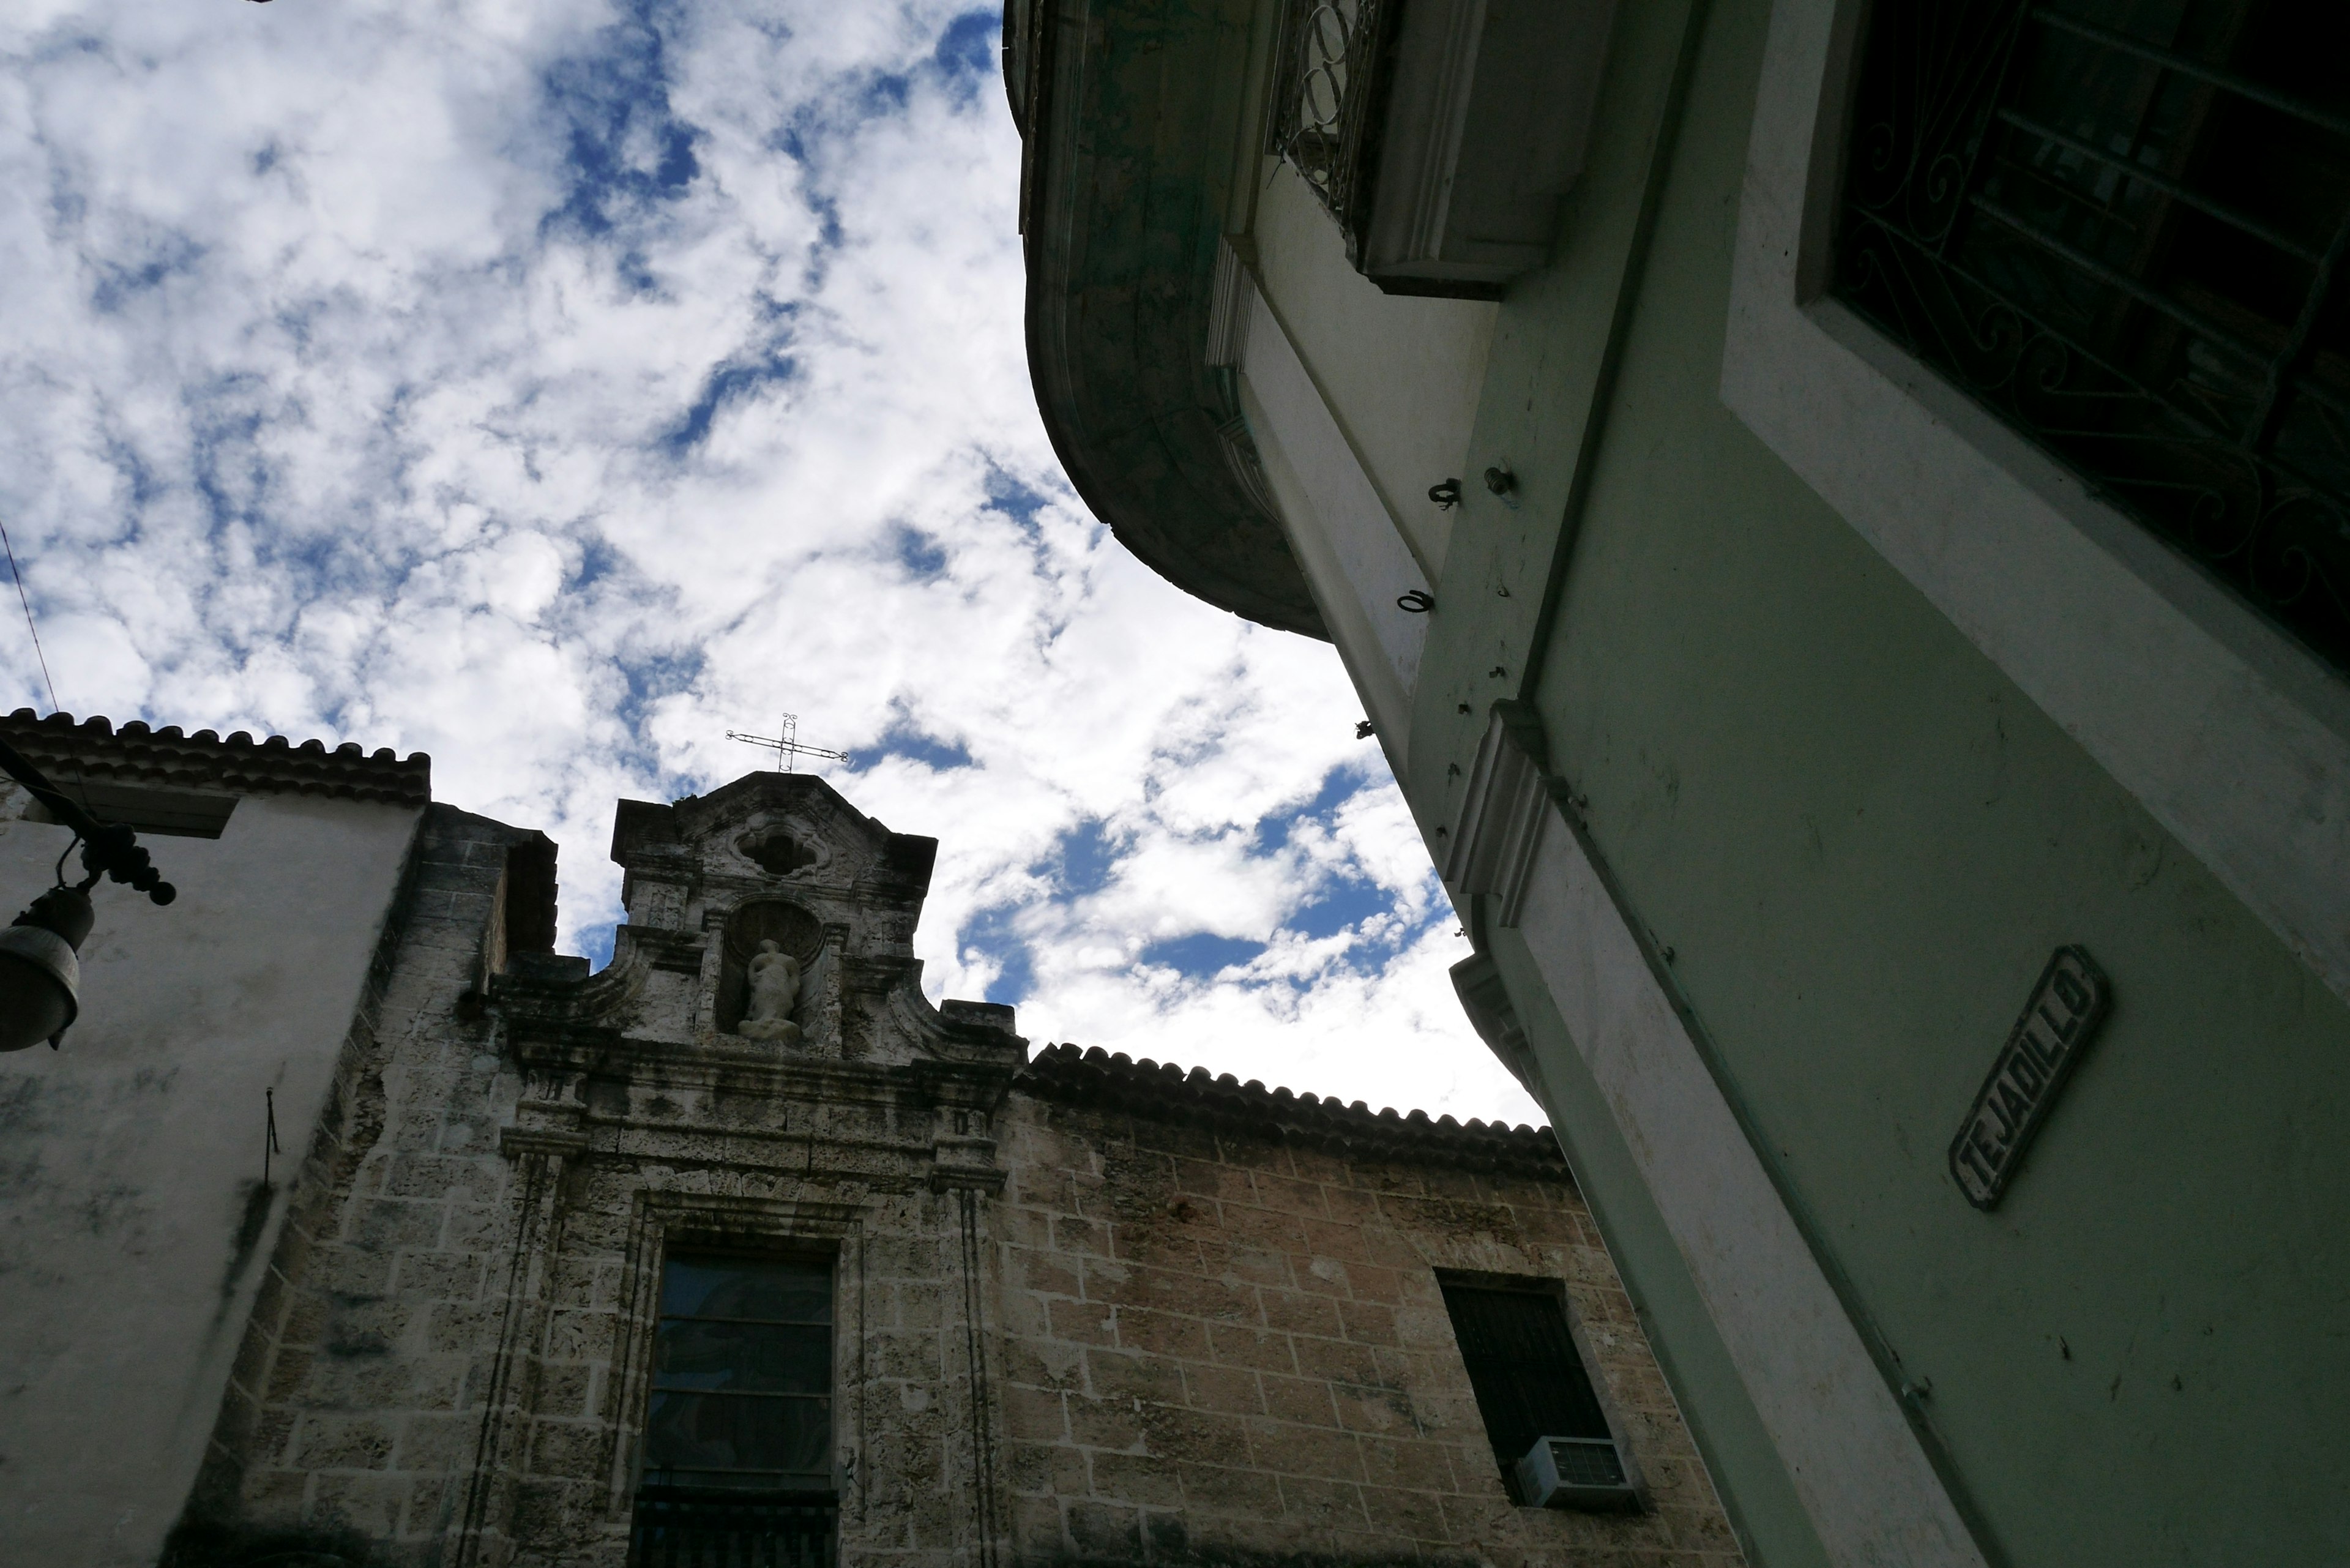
351	1225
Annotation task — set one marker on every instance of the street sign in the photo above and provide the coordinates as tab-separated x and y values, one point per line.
2065	1009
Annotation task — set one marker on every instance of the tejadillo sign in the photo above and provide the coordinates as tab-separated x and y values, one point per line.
2065	1009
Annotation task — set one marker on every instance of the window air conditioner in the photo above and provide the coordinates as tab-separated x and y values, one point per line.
1575	1472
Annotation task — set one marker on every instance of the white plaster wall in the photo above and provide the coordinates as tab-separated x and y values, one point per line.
1401	376
129	1158
1354	557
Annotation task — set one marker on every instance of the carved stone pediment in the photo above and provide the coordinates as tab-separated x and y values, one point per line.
778	858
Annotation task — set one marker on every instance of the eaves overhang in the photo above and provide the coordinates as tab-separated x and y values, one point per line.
1131	112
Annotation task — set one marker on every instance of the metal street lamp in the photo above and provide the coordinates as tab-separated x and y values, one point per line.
40	966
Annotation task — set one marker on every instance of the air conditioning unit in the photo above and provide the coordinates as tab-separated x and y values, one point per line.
1576	1472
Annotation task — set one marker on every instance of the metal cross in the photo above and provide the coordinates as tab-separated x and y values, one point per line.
785	744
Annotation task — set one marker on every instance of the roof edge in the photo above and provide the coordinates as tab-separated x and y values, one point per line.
136	754
1164	1091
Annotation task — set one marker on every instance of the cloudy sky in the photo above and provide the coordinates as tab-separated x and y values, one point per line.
555	385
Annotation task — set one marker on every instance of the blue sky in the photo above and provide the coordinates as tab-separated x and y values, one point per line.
554	387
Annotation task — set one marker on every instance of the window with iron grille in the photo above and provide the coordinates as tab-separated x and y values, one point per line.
2117	224
1529	1381
738	1427
1325	97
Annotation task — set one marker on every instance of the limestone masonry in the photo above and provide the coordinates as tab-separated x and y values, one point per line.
573	1272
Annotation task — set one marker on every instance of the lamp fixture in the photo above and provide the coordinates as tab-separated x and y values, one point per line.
40	963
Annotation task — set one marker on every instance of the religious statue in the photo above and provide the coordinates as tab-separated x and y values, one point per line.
775	977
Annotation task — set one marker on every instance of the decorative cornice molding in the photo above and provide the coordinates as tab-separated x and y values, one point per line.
1477	981
134	753
515	1142
1490	847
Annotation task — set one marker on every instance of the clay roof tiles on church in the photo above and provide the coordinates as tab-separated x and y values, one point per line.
1164	1092
135	753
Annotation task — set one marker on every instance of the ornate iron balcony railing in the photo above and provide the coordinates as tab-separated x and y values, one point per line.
2121	234
1325	98
676	1527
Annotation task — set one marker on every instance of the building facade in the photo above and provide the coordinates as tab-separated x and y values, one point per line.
139	1203
1836	517
739	1250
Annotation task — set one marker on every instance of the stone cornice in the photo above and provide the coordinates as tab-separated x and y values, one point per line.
1164	1092
239	764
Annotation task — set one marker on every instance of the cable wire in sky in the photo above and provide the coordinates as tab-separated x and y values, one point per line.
17	575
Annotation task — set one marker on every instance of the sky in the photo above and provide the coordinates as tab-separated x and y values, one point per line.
554	386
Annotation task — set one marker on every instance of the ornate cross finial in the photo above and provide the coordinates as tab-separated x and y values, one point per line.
785	745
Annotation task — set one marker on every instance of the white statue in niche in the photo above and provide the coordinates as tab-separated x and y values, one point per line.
775	977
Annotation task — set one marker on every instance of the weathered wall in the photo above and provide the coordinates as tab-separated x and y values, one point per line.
1402	375
1223	1344
450	1367
1854	842
343	1418
136	1220
1185	1343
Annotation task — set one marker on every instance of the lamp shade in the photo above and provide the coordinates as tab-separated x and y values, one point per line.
40	971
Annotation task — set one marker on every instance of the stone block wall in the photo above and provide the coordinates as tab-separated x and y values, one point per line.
355	1400
449	1365
1223	1344
1085	1310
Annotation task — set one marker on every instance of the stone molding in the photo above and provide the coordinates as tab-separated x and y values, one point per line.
515	1142
1490	848
1477	981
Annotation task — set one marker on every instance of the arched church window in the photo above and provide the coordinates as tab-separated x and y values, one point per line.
2119	224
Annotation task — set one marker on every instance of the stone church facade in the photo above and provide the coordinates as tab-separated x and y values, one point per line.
576	1270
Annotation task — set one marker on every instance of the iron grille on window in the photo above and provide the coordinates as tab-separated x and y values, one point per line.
1332	58
2118	223
1523	1368
677	1527
738	1427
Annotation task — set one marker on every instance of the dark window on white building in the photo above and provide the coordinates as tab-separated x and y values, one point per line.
2118	225
738	1427
1530	1383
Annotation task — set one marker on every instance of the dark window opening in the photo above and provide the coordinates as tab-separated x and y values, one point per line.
777	853
2117	223
1529	1381
174	813
530	896
738	1424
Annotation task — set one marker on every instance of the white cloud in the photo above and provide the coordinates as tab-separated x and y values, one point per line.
553	388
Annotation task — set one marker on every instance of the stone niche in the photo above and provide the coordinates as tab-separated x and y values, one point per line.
793	930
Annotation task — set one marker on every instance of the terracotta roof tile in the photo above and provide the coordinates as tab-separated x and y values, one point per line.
204	761
1165	1092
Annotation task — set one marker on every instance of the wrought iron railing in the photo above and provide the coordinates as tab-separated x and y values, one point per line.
1326	98
2124	241
676	1527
